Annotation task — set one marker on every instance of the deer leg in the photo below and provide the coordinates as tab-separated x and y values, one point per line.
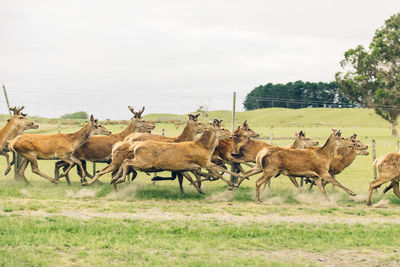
13	159
388	188
330	179
109	168
59	164
189	178
257	169
215	168
263	179
5	154
180	180
159	178
21	171
35	168
374	185
295	183
198	179
396	188
318	181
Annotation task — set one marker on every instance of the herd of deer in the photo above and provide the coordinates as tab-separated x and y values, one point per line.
136	149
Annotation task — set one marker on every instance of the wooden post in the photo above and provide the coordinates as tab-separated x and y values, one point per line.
17	163
163	131
94	168
374	157
234	167
271	138
5	95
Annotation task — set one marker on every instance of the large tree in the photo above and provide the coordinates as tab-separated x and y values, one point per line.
371	76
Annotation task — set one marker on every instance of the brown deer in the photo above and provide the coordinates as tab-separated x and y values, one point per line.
15	125
345	157
185	156
389	171
250	150
192	128
302	162
55	146
98	148
164	156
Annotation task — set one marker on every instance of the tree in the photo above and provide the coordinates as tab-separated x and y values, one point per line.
372	77
297	94
76	115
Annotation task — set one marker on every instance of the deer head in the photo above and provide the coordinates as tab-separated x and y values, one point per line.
340	141
97	128
222	133
305	141
360	147
20	121
197	126
140	124
244	130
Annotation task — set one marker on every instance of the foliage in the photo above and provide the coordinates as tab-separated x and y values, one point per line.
372	77
76	115
298	94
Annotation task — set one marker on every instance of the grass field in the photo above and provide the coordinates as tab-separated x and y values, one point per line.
152	224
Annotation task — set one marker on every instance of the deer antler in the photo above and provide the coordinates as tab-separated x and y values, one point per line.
14	110
19	109
140	112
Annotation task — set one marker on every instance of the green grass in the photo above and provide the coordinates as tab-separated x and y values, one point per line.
58	240
35	232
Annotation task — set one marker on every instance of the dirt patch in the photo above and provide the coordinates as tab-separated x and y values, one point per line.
126	193
223	196
381	203
83	193
159	215
331	258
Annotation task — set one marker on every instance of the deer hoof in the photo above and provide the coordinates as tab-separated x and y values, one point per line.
7	171
353	194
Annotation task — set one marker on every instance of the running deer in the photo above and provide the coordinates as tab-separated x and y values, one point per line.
55	146
312	163
223	152
388	167
179	157
15	125
345	157
192	129
99	148
250	150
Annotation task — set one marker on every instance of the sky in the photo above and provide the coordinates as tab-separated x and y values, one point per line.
58	57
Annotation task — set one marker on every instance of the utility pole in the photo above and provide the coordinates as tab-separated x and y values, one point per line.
5	95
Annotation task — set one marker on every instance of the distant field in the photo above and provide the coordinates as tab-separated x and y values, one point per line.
152	224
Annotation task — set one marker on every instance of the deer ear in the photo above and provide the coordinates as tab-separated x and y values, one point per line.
191	117
24	114
197	115
301	133
296	134
91	118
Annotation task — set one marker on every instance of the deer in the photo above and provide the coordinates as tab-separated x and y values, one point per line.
312	163
15	125
389	171
192	129
249	149
168	156
120	150
98	148
345	157
184	156
54	146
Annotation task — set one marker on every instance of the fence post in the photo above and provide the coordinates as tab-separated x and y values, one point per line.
5	95
17	163
374	157
94	168
234	167
271	138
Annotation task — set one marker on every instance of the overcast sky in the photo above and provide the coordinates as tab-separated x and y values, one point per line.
58	57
